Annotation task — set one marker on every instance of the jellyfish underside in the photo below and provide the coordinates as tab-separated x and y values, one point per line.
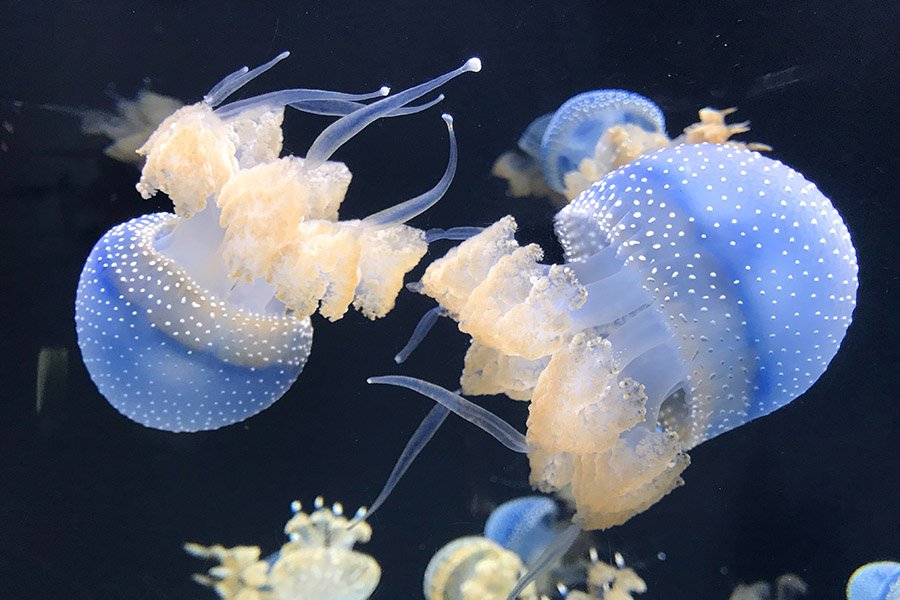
200	319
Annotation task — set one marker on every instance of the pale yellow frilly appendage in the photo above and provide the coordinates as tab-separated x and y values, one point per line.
618	146
489	371
586	430
474	568
263	205
131	125
451	279
193	153
522	175
344	262
318	563
502	297
613	582
279	214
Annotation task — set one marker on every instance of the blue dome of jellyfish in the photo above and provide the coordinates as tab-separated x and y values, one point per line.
166	352
749	265
523	525
875	581
571	133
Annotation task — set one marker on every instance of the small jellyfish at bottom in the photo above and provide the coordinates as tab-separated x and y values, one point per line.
317	563
875	581
475	568
200	319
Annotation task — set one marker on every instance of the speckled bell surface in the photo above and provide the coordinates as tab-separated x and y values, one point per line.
169	354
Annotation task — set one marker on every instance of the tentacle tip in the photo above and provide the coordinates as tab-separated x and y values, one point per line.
372	380
448	119
473	64
384	90
283	55
399	359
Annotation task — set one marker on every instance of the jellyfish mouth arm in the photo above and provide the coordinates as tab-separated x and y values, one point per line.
550	556
234	81
420	438
301	99
342	108
339	132
459	234
490	423
403	212
423	327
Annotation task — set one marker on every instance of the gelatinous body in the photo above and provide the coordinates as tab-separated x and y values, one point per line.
875	581
169	354
474	568
524	525
574	129
706	286
199	319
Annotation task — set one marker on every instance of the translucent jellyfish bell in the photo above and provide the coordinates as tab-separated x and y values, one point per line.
474	568
199	319
572	133
875	581
523	525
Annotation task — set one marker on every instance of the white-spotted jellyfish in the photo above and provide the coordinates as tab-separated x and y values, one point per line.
199	319
705	286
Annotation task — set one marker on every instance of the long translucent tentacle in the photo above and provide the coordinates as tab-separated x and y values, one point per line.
403	212
337	134
454	233
294	96
422	328
551	554
422	435
505	433
238	79
341	108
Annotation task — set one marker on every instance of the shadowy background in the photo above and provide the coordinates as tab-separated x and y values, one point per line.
93	506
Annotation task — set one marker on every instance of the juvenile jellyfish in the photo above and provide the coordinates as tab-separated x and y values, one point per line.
317	563
875	581
200	319
593	133
474	568
706	286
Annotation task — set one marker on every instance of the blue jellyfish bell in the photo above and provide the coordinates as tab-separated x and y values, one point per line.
572	133
523	525
875	581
